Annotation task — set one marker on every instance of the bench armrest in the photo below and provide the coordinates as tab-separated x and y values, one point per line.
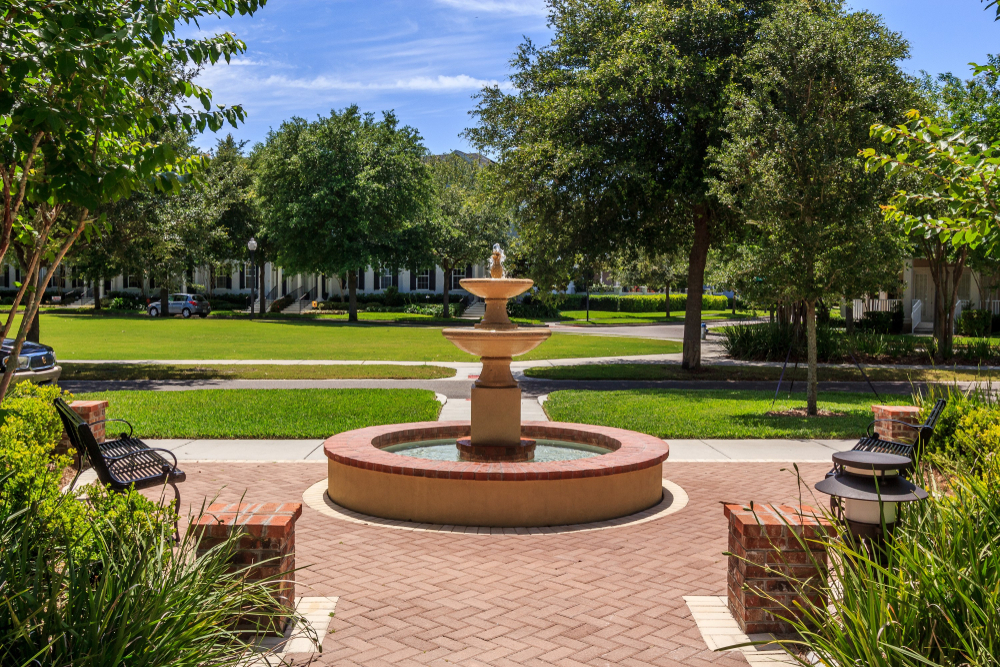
115	459
917	427
105	421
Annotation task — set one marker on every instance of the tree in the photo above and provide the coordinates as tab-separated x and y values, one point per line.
75	130
605	141
811	87
465	224
342	193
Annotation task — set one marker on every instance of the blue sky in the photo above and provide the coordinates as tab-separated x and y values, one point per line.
426	58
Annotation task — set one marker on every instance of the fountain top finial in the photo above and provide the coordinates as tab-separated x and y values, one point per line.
496	262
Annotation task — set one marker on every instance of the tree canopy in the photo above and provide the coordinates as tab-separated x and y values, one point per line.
342	193
807	93
605	140
77	130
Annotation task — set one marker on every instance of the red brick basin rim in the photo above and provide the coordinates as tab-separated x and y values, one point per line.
628	451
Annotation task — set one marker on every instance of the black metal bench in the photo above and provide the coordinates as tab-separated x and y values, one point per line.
924	432
123	463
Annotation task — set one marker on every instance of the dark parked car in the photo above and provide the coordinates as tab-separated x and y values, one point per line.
36	362
184	305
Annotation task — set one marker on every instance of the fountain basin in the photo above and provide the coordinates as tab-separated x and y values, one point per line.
504	343
496	288
364	478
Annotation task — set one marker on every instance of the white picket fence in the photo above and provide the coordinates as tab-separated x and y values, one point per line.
862	306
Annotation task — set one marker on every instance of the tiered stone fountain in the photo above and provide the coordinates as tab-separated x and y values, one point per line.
496	398
496	470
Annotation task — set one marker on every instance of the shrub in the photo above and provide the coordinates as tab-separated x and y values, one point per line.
279	305
974	323
123	301
639	303
881	322
771	342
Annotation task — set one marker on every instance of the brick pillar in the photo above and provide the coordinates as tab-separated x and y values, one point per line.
90	412
268	534
897	432
766	556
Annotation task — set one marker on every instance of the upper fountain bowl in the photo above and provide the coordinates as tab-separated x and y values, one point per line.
496	288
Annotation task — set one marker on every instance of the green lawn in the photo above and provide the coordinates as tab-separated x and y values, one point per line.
139	337
746	373
669	413
265	413
85	371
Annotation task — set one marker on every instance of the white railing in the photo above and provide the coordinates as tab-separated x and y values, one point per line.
993	307
862	306
915	312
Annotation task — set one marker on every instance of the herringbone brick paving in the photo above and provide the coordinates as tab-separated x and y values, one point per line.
597	598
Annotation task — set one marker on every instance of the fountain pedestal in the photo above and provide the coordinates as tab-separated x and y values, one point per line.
496	399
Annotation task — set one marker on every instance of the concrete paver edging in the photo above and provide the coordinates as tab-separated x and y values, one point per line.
674	500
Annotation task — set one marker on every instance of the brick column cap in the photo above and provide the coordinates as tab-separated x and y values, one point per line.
897	410
257	519
755	523
89	404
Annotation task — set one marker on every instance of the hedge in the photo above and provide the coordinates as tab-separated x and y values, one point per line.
641	303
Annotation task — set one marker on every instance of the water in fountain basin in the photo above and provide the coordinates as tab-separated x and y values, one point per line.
545	450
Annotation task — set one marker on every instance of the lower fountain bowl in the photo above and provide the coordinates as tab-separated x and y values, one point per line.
364	478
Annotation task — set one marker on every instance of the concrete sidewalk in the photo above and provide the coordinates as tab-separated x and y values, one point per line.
681	451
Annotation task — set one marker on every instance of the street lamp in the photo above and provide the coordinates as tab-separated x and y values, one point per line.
251	246
867	487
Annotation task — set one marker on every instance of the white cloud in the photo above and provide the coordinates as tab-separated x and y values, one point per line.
516	7
440	83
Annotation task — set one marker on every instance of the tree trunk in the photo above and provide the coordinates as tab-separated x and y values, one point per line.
97	294
695	284
666	293
352	296
812	383
849	316
446	311
164	303
34	333
588	304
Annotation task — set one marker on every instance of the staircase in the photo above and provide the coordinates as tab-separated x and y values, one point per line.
475	311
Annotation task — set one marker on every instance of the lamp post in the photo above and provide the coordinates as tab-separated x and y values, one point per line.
867	488
252	246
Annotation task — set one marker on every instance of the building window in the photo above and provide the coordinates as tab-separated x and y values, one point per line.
965	286
456	277
424	279
385	278
223	282
133	282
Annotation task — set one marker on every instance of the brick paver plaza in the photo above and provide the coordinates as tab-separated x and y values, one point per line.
604	597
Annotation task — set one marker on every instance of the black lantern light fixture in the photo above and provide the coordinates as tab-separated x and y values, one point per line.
867	488
252	246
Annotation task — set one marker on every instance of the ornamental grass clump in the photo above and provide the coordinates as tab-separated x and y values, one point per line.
936	599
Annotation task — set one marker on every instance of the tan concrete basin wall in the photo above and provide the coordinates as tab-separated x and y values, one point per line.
366	479
462	502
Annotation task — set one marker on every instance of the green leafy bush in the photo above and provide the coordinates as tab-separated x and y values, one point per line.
639	303
532	309
974	322
881	322
279	305
965	428
771	342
